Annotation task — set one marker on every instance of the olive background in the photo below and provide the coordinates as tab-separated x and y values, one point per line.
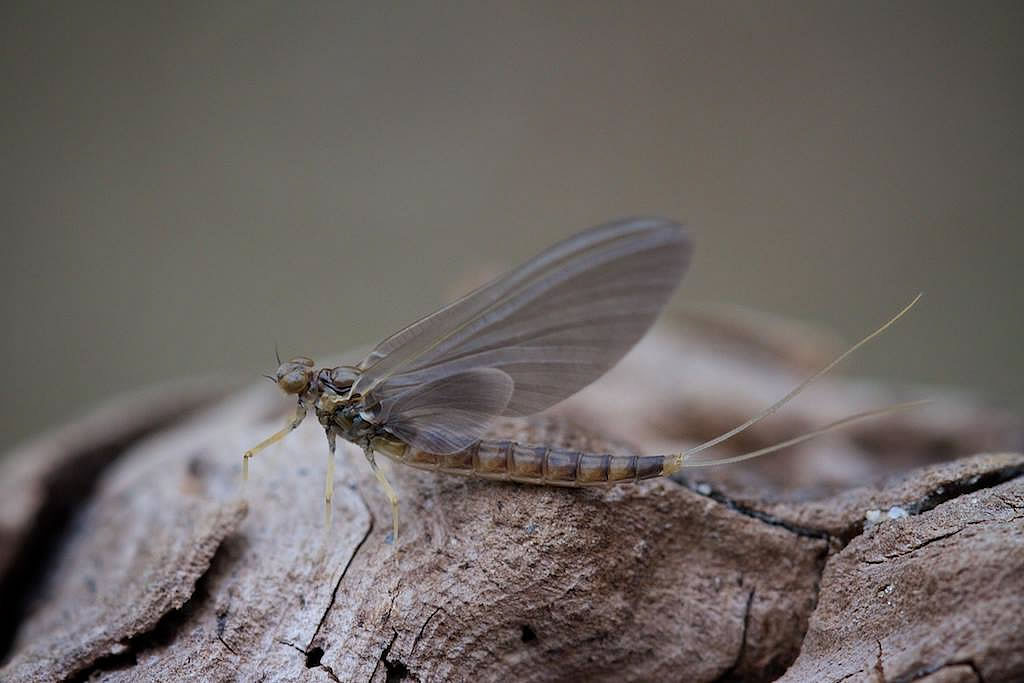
184	184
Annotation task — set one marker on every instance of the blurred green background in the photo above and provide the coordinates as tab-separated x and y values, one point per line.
183	185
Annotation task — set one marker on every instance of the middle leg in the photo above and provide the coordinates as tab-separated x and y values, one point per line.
329	482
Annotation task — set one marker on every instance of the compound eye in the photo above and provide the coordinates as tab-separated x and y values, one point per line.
294	382
293	377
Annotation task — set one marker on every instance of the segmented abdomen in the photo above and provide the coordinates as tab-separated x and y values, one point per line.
510	461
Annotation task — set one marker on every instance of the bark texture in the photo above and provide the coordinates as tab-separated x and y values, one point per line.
892	551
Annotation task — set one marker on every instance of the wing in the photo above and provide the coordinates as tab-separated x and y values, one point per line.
448	414
553	325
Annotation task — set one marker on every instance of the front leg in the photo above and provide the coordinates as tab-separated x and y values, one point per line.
300	415
388	491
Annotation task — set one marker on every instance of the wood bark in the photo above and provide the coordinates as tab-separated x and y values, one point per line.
129	549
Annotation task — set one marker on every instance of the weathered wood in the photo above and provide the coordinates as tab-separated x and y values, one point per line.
717	575
47	479
914	596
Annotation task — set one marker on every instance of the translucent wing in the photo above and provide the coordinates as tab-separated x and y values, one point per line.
450	413
553	325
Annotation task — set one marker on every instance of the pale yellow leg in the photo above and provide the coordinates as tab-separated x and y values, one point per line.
294	422
329	483
388	491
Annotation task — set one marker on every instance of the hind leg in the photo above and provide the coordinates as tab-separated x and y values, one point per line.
388	491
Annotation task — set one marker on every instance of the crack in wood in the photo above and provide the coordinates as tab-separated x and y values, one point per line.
344	571
163	631
918	674
225	644
419	634
330	673
383	655
942	493
908	551
292	645
391	605
964	486
936	539
879	668
748	511
68	487
848	676
730	673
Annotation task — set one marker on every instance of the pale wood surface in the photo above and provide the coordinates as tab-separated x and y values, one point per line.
750	572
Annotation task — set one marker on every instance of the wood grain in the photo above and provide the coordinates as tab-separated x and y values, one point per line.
170	569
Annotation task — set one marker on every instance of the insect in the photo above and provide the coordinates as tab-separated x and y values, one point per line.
426	395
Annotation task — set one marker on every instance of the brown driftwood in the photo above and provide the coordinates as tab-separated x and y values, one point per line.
868	555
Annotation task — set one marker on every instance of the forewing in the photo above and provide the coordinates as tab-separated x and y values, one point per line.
553	325
450	413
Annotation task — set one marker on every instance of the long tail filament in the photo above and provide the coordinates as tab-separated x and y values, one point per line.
681	460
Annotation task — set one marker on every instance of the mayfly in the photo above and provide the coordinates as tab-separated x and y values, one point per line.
426	395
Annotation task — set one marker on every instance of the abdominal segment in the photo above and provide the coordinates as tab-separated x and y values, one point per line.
511	461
